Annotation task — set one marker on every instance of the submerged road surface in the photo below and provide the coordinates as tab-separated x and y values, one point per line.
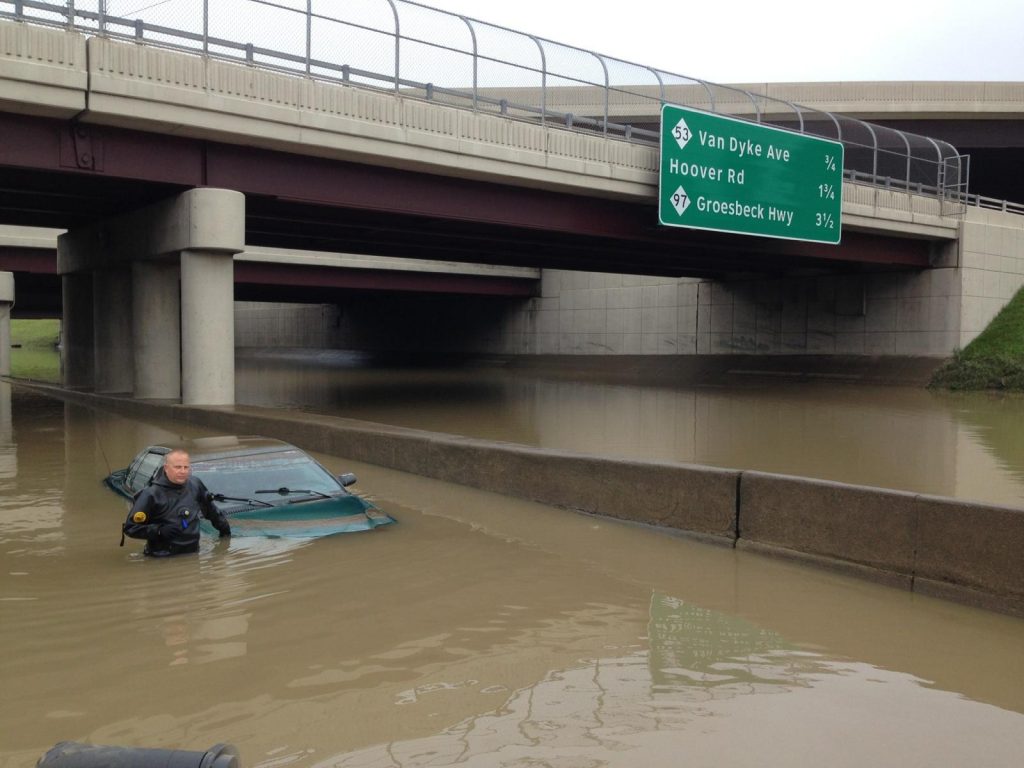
479	631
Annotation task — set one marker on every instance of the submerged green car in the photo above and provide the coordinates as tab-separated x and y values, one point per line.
265	487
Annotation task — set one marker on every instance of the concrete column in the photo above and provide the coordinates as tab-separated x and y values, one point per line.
112	320
6	302
76	331
156	329
207	328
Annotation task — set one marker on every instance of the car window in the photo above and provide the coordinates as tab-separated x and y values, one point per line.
242	476
143	469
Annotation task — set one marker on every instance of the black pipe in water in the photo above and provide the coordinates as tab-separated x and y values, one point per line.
73	754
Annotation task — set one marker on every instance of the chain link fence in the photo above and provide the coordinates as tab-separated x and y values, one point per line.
418	51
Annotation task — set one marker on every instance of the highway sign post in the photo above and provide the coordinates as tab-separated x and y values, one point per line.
728	175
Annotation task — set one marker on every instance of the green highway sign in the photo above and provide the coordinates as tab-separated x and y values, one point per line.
729	175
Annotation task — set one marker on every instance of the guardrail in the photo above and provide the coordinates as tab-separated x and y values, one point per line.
422	52
948	197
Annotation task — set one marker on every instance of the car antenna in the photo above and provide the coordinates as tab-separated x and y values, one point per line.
103	453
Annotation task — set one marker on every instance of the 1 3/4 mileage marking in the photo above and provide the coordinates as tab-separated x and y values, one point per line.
731	175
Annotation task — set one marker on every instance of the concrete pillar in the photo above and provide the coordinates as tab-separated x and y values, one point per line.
8	446
76	331
156	329
207	328
112	321
6	302
198	231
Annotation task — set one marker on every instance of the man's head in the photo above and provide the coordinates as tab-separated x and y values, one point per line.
177	466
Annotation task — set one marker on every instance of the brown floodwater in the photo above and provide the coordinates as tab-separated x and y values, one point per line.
968	446
478	631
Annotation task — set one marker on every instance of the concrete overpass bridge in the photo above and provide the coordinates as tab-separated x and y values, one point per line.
164	165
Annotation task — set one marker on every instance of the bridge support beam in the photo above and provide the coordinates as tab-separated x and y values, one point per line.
207	328
156	330
77	361
112	326
181	340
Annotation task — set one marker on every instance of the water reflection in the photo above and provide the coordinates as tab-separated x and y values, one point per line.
965	446
693	646
732	695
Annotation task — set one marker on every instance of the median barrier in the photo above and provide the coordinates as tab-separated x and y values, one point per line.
972	553
958	550
691	499
852	524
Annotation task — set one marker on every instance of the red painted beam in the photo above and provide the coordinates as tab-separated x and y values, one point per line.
100	151
38	261
306	276
46	162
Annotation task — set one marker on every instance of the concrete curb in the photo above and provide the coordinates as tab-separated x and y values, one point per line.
947	548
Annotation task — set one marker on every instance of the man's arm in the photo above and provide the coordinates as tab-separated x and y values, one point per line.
140	523
210	511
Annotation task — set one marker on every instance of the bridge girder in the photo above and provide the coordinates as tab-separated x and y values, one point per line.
62	174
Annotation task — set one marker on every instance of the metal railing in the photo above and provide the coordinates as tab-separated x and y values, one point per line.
422	52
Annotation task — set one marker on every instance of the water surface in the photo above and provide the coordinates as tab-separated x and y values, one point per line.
969	446
479	631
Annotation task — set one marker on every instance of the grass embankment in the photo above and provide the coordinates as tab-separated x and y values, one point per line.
994	360
34	350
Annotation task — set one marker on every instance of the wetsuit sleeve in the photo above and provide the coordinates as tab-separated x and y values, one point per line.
140	522
210	511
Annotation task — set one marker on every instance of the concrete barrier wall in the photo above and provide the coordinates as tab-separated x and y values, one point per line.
971	553
862	526
963	546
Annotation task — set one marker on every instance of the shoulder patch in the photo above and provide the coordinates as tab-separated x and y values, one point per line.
139	517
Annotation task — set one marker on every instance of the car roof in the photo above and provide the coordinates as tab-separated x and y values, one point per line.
209	448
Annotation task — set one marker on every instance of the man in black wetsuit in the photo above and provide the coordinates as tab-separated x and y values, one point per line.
166	513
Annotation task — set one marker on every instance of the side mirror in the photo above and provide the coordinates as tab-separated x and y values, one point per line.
347	479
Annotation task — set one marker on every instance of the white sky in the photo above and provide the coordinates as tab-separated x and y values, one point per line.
729	41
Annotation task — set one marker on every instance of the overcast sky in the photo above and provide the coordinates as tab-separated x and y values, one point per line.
728	41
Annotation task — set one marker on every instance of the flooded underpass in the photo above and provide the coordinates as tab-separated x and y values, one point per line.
480	630
962	445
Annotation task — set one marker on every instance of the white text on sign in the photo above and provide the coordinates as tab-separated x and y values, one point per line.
742	147
697	171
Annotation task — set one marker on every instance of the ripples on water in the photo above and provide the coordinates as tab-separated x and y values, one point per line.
479	630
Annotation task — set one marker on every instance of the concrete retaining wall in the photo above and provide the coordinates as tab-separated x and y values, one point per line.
971	553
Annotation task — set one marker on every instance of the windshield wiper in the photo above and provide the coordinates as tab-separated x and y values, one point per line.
284	491
254	502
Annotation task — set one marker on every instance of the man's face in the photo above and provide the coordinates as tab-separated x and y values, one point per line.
177	466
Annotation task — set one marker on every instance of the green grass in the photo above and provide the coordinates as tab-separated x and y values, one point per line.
994	360
34	354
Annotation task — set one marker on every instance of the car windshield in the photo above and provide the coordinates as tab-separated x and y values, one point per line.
243	476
